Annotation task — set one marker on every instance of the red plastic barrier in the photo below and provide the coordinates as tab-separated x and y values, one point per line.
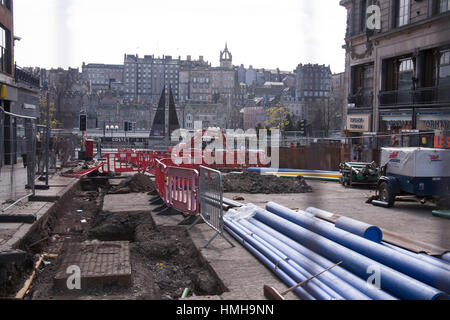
183	190
81	174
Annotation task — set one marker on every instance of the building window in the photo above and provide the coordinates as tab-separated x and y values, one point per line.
444	68
444	5
5	51
402	12
6	3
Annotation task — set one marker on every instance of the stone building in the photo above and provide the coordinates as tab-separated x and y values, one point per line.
19	94
313	82
145	78
102	76
398	68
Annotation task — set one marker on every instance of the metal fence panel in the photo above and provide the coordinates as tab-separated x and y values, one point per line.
18	143
211	201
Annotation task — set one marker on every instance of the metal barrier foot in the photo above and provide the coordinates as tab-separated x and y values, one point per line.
157	201
168	212
161	208
215	236
191	221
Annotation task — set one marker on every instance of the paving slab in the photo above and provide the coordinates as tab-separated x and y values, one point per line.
126	202
12	234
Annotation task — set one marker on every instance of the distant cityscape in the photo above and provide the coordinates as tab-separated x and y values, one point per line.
225	96
393	83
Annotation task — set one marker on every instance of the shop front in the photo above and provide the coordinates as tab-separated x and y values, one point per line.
357	126
408	128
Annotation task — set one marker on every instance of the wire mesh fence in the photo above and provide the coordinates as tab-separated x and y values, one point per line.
18	158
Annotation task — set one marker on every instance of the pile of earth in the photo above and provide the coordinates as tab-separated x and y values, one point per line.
251	182
137	183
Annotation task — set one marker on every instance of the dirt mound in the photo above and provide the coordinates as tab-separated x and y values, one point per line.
137	183
251	182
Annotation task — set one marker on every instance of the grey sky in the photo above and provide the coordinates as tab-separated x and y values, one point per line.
263	33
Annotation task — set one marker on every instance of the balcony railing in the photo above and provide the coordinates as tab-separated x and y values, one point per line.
362	99
421	96
26	77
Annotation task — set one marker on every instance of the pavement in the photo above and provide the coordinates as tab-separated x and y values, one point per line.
410	220
12	234
13	179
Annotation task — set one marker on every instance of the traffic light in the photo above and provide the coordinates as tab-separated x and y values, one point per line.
128	126
303	127
83	122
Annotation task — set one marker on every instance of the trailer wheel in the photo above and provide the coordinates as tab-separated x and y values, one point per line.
385	194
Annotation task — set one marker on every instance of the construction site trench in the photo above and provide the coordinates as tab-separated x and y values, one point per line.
120	253
162	261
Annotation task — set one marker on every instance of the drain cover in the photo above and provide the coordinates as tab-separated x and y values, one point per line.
99	264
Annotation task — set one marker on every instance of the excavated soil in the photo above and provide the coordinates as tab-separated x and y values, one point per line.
164	260
137	183
253	183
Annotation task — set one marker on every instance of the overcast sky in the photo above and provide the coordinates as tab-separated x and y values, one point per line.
262	33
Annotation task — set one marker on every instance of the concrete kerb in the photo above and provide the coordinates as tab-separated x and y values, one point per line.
19	238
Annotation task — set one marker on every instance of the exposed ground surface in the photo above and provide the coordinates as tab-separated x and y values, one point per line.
411	220
164	261
251	182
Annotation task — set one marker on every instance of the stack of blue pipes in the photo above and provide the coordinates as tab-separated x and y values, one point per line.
296	246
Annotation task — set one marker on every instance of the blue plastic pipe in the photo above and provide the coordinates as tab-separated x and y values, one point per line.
413	267
391	280
350	278
422	256
340	286
246	233
279	261
446	257
359	228
319	212
280	273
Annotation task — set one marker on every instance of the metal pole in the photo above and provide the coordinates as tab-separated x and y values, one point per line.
47	139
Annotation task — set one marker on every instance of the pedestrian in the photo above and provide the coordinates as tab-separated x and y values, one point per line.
65	151
53	148
39	161
24	151
355	153
359	151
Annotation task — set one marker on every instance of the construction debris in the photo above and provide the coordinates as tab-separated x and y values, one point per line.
253	183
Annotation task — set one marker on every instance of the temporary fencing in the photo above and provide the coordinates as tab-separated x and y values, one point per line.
188	187
211	201
183	190
17	157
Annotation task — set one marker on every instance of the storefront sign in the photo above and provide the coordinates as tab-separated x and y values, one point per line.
433	121
358	123
442	140
433	124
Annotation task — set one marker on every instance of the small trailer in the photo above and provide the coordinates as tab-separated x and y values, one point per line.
420	172
358	173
